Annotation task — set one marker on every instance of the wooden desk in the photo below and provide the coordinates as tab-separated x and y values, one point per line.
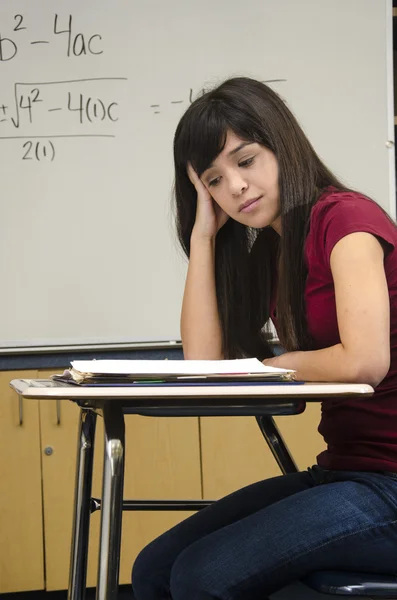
261	401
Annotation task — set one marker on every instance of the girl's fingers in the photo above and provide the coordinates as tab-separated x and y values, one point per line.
201	190
192	174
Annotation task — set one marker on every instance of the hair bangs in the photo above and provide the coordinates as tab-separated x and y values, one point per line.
205	137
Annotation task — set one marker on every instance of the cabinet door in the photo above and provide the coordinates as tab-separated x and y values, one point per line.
21	525
162	461
235	454
59	443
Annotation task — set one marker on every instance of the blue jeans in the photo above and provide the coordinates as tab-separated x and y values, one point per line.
271	533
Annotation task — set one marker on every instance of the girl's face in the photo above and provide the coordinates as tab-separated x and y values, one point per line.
243	180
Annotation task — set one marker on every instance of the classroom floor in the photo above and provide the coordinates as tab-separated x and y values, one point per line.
294	592
124	594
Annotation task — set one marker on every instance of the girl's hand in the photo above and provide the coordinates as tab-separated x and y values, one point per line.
271	362
209	215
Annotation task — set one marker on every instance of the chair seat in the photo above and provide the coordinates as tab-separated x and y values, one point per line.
344	583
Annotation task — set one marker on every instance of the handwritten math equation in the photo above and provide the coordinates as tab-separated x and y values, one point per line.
157	107
74	43
64	109
54	107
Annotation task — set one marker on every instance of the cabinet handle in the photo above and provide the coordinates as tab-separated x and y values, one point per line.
58	412
20	399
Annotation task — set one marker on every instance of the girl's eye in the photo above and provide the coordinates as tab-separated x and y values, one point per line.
247	162
214	182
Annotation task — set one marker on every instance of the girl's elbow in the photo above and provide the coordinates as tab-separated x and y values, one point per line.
193	352
374	372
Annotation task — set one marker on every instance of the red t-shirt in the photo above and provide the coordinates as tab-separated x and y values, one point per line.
361	434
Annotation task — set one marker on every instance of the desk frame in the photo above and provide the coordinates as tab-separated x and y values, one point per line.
112	404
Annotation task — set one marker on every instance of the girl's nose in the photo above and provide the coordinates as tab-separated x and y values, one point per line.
238	185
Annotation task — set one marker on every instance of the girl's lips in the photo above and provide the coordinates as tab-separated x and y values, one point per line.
250	205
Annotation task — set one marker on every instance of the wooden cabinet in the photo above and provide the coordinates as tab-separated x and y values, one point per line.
21	532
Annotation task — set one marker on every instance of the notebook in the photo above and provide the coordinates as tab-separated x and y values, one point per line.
178	371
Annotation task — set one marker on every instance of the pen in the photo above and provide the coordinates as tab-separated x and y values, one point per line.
150	381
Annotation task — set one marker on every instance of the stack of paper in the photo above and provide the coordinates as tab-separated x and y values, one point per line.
162	371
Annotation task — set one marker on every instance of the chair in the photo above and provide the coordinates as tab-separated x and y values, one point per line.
335	583
343	583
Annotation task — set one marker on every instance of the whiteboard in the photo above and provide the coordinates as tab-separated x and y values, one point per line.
91	92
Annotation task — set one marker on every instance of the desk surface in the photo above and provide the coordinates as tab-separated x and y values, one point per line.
45	389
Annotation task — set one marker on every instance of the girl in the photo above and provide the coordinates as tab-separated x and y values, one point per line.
270	232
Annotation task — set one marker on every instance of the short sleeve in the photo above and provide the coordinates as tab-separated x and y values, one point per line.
343	213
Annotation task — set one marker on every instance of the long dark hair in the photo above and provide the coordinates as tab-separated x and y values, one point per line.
248	261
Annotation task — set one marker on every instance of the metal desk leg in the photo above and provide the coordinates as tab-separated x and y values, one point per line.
112	500
276	444
82	500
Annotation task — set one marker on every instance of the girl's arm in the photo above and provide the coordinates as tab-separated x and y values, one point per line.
363	313
200	325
